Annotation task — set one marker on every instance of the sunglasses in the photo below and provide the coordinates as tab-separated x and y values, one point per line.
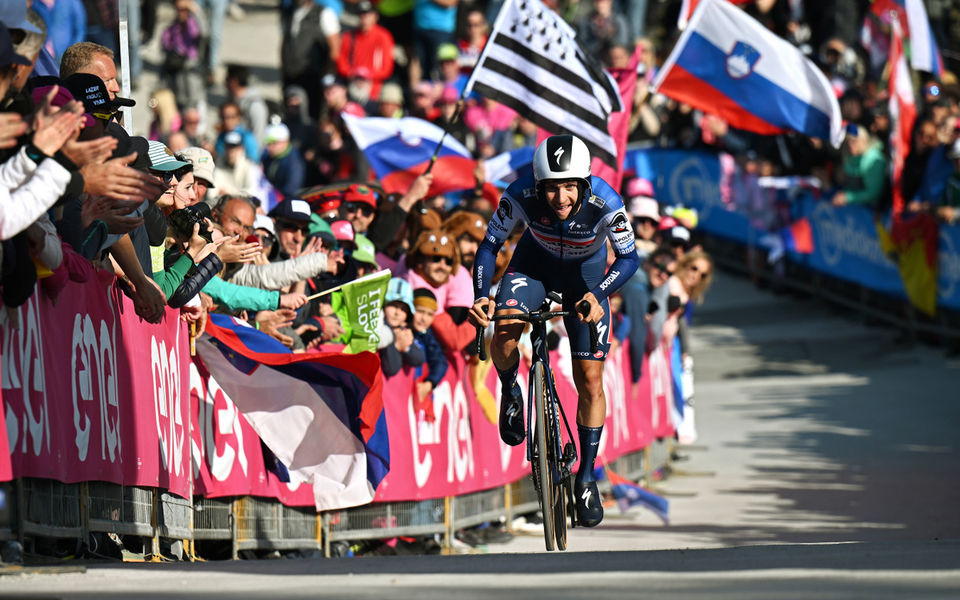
644	220
305	229
364	209
662	268
436	259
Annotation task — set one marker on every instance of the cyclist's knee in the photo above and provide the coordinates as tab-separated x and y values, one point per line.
588	376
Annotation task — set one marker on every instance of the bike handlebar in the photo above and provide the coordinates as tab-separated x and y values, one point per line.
583	308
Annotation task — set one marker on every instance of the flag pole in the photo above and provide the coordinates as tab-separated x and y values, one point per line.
453	119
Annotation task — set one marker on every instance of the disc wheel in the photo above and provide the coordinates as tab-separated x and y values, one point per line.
545	474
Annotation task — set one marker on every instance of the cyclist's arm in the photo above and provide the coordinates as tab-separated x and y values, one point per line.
618	230
504	219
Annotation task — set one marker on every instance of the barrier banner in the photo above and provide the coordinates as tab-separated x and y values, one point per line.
226	451
91	392
6	469
948	266
460	451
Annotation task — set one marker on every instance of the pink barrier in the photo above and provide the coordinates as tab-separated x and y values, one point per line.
91	392
461	452
123	402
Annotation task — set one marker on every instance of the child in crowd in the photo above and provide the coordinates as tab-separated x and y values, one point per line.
403	352
425	307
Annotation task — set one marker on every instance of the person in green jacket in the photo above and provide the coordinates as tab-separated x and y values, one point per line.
864	173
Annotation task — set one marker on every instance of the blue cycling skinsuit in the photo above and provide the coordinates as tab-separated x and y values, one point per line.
569	257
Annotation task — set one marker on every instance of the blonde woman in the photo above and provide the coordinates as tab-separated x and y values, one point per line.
166	117
695	273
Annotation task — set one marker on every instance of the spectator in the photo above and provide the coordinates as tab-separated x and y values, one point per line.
283	165
450	76
309	48
237	175
391	101
203	170
645	211
230	122
370	46
425	307
948	212
434	22
166	117
601	29
471	45
180	43
297	117
467	229
864	180
66	22
87	57
249	99
403	353
292	221
424	97
646	289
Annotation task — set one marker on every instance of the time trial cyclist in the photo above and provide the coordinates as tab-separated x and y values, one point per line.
569	214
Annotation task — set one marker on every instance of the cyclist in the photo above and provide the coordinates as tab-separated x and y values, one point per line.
569	214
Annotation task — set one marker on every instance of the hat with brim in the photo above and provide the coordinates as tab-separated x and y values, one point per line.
162	158
434	243
292	211
13	15
358	192
643	207
92	92
365	251
466	223
202	162
7	55
264	222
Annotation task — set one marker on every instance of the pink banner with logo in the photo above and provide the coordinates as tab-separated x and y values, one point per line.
460	451
91	392
227	455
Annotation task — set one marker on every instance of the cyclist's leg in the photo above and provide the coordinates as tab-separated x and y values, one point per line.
518	292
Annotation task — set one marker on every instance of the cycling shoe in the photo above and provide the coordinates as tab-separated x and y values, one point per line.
511	417
589	503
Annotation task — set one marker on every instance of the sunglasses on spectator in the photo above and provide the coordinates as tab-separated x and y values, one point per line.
364	209
436	259
662	268
304	229
642	220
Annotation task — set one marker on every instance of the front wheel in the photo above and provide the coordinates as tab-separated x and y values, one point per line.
544	475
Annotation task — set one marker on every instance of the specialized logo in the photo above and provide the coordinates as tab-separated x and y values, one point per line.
586	495
619	223
518	283
559	148
742	60
504	210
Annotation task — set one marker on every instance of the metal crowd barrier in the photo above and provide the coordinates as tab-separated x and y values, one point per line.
48	508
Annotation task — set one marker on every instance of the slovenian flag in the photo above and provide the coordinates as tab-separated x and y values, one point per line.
629	494
321	414
728	64
508	166
399	150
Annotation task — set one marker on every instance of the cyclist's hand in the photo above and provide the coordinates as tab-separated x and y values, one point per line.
596	311
480	312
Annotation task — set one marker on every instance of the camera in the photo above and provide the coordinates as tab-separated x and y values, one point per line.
183	220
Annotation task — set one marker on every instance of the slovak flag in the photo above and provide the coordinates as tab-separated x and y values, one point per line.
400	149
321	414
728	64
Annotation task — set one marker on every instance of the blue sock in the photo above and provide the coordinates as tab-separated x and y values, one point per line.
508	377
589	444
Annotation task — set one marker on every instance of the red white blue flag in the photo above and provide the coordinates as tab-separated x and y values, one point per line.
321	414
728	64
399	150
912	16
629	494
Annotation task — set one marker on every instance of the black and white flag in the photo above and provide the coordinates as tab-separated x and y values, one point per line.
533	64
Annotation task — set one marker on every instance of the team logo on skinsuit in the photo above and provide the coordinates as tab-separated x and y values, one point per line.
619	223
504	210
511	302
598	354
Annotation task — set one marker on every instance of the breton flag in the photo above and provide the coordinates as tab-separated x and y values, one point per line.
728	64
533	64
321	414
399	150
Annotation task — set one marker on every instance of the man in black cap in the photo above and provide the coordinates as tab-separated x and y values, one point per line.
292	218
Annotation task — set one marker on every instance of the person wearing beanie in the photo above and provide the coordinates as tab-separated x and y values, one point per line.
283	165
435	367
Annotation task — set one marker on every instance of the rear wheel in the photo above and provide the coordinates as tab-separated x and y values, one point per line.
544	475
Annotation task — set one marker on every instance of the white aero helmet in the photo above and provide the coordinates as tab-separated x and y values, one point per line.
561	157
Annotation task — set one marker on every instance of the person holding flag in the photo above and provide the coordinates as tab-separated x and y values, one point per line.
570	214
